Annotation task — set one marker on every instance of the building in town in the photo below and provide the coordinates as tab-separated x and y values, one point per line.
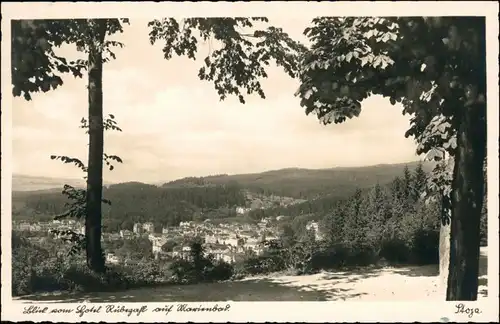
138	228
149	227
112	258
126	234
242	210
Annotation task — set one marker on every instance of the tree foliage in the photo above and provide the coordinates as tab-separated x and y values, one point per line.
240	62
429	65
36	66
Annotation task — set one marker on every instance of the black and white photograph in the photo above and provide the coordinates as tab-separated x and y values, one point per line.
220	158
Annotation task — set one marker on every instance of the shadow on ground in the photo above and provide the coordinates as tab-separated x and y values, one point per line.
431	270
249	290
375	271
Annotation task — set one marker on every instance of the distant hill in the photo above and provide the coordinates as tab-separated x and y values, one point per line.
46	184
306	183
33	183
290	182
291	191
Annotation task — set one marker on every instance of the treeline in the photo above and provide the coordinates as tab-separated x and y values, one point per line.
138	202
391	222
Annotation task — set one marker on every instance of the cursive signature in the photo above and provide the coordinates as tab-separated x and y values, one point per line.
461	309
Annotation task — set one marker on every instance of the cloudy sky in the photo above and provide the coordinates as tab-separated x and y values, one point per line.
174	124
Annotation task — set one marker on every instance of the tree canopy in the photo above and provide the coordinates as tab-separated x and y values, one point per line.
431	66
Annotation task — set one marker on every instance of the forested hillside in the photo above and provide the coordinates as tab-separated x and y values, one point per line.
307	183
216	197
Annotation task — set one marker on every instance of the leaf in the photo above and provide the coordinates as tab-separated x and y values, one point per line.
377	61
349	56
451	143
308	94
434	155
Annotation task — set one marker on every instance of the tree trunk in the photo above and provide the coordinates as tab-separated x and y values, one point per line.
467	201
444	257
95	257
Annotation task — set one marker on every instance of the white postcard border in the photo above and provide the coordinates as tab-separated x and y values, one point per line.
418	311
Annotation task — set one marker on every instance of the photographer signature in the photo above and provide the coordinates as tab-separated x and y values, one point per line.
461	309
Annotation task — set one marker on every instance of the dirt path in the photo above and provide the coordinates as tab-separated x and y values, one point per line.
381	284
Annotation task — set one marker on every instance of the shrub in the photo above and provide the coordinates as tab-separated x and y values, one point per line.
362	255
220	271
61	274
425	248
25	256
332	257
272	263
394	250
145	272
35	269
262	264
183	271
187	272
250	266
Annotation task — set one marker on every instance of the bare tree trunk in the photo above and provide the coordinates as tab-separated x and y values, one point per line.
95	257
444	256
467	202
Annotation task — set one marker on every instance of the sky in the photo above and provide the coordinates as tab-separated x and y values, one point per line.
174	124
